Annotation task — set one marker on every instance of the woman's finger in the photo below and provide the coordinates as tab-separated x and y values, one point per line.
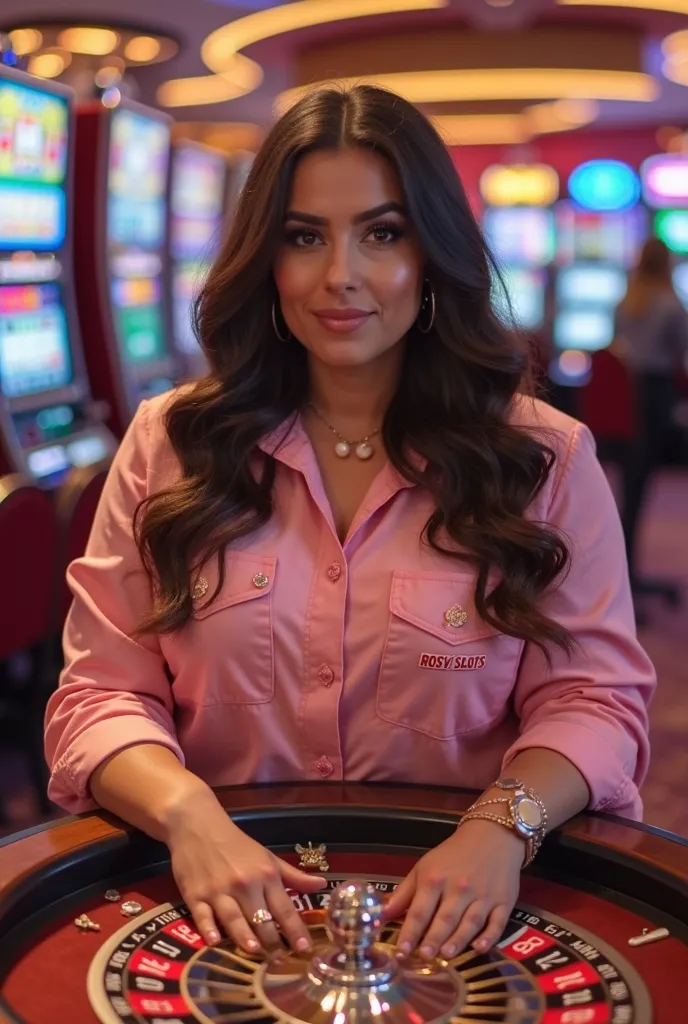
418	916
401	898
471	922
496	923
204	919
299	880
290	921
235	924
446	921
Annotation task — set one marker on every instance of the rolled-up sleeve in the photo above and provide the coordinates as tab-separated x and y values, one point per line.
114	691
590	707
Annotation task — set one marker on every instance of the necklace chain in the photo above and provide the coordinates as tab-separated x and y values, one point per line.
341	437
362	447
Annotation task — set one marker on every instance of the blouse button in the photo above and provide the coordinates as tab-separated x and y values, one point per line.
326	675
334	571
324	766
260	581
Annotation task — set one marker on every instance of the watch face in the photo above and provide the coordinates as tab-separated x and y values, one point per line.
509	784
527	814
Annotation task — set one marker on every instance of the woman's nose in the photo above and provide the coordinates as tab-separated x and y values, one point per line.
342	272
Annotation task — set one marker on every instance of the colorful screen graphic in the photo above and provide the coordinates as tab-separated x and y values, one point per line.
521	235
665	181
582	327
591	284
34	343
526	297
138	319
137	177
34	129
198	194
614	237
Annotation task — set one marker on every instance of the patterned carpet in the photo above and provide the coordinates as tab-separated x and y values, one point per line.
664	545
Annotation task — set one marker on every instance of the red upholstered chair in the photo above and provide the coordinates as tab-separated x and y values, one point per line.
77	502
28	545
607	403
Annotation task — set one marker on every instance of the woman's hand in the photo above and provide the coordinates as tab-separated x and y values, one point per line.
462	891
225	877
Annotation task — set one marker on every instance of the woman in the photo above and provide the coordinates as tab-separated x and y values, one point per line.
353	551
651	336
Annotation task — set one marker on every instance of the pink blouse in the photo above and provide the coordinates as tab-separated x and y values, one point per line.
357	661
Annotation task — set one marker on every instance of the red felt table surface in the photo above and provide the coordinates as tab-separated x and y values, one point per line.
47	984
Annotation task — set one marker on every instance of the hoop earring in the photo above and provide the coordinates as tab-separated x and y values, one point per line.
274	325
427	301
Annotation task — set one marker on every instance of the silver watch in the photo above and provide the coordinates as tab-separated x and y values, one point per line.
527	813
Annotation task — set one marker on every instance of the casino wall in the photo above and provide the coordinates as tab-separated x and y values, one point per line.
125	140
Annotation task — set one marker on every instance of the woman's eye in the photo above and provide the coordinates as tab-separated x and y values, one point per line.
384	233
302	239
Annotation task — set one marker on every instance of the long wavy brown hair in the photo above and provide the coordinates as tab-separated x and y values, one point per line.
651	277
452	406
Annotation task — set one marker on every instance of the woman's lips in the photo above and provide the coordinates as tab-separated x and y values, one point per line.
343	321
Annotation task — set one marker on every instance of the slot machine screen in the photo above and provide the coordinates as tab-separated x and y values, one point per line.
139	323
198	194
525	289
613	237
33	167
521	235
586	328
34	340
137	177
591	285
197	210
680	277
137	185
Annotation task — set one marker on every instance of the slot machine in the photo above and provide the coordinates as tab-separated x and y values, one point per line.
519	228
198	204
600	229
123	156
48	420
665	192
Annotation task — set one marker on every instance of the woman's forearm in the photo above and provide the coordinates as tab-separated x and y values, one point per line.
147	787
555	779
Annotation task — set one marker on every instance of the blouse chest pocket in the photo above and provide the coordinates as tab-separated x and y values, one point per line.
444	671
232	637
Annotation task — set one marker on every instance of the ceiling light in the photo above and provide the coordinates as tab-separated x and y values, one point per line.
500	84
244	76
560	115
25	41
142	49
675	50
481	129
220	46
672	6
47	65
96	41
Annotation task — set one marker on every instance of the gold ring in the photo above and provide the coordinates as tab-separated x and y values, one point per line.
262	917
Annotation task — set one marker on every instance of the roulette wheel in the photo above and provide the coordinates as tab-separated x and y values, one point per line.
93	931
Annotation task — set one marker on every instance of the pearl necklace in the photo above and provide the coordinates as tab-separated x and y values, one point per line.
363	448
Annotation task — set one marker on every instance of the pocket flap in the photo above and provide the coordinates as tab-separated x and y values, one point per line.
247	577
442	604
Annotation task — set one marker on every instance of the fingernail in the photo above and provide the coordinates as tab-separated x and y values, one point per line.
213	937
427	951
404	948
480	944
448	951
303	945
252	945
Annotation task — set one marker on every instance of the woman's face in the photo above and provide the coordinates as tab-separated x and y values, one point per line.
349	270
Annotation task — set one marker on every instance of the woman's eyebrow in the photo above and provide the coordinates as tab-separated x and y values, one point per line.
377	211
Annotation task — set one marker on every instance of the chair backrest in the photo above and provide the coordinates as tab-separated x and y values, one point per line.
77	502
606	403
28	547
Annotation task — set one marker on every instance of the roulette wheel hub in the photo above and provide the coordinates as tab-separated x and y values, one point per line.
355	977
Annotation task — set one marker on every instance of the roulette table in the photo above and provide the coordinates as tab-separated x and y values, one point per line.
564	957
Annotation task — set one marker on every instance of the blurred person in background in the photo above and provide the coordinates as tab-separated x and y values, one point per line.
651	336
